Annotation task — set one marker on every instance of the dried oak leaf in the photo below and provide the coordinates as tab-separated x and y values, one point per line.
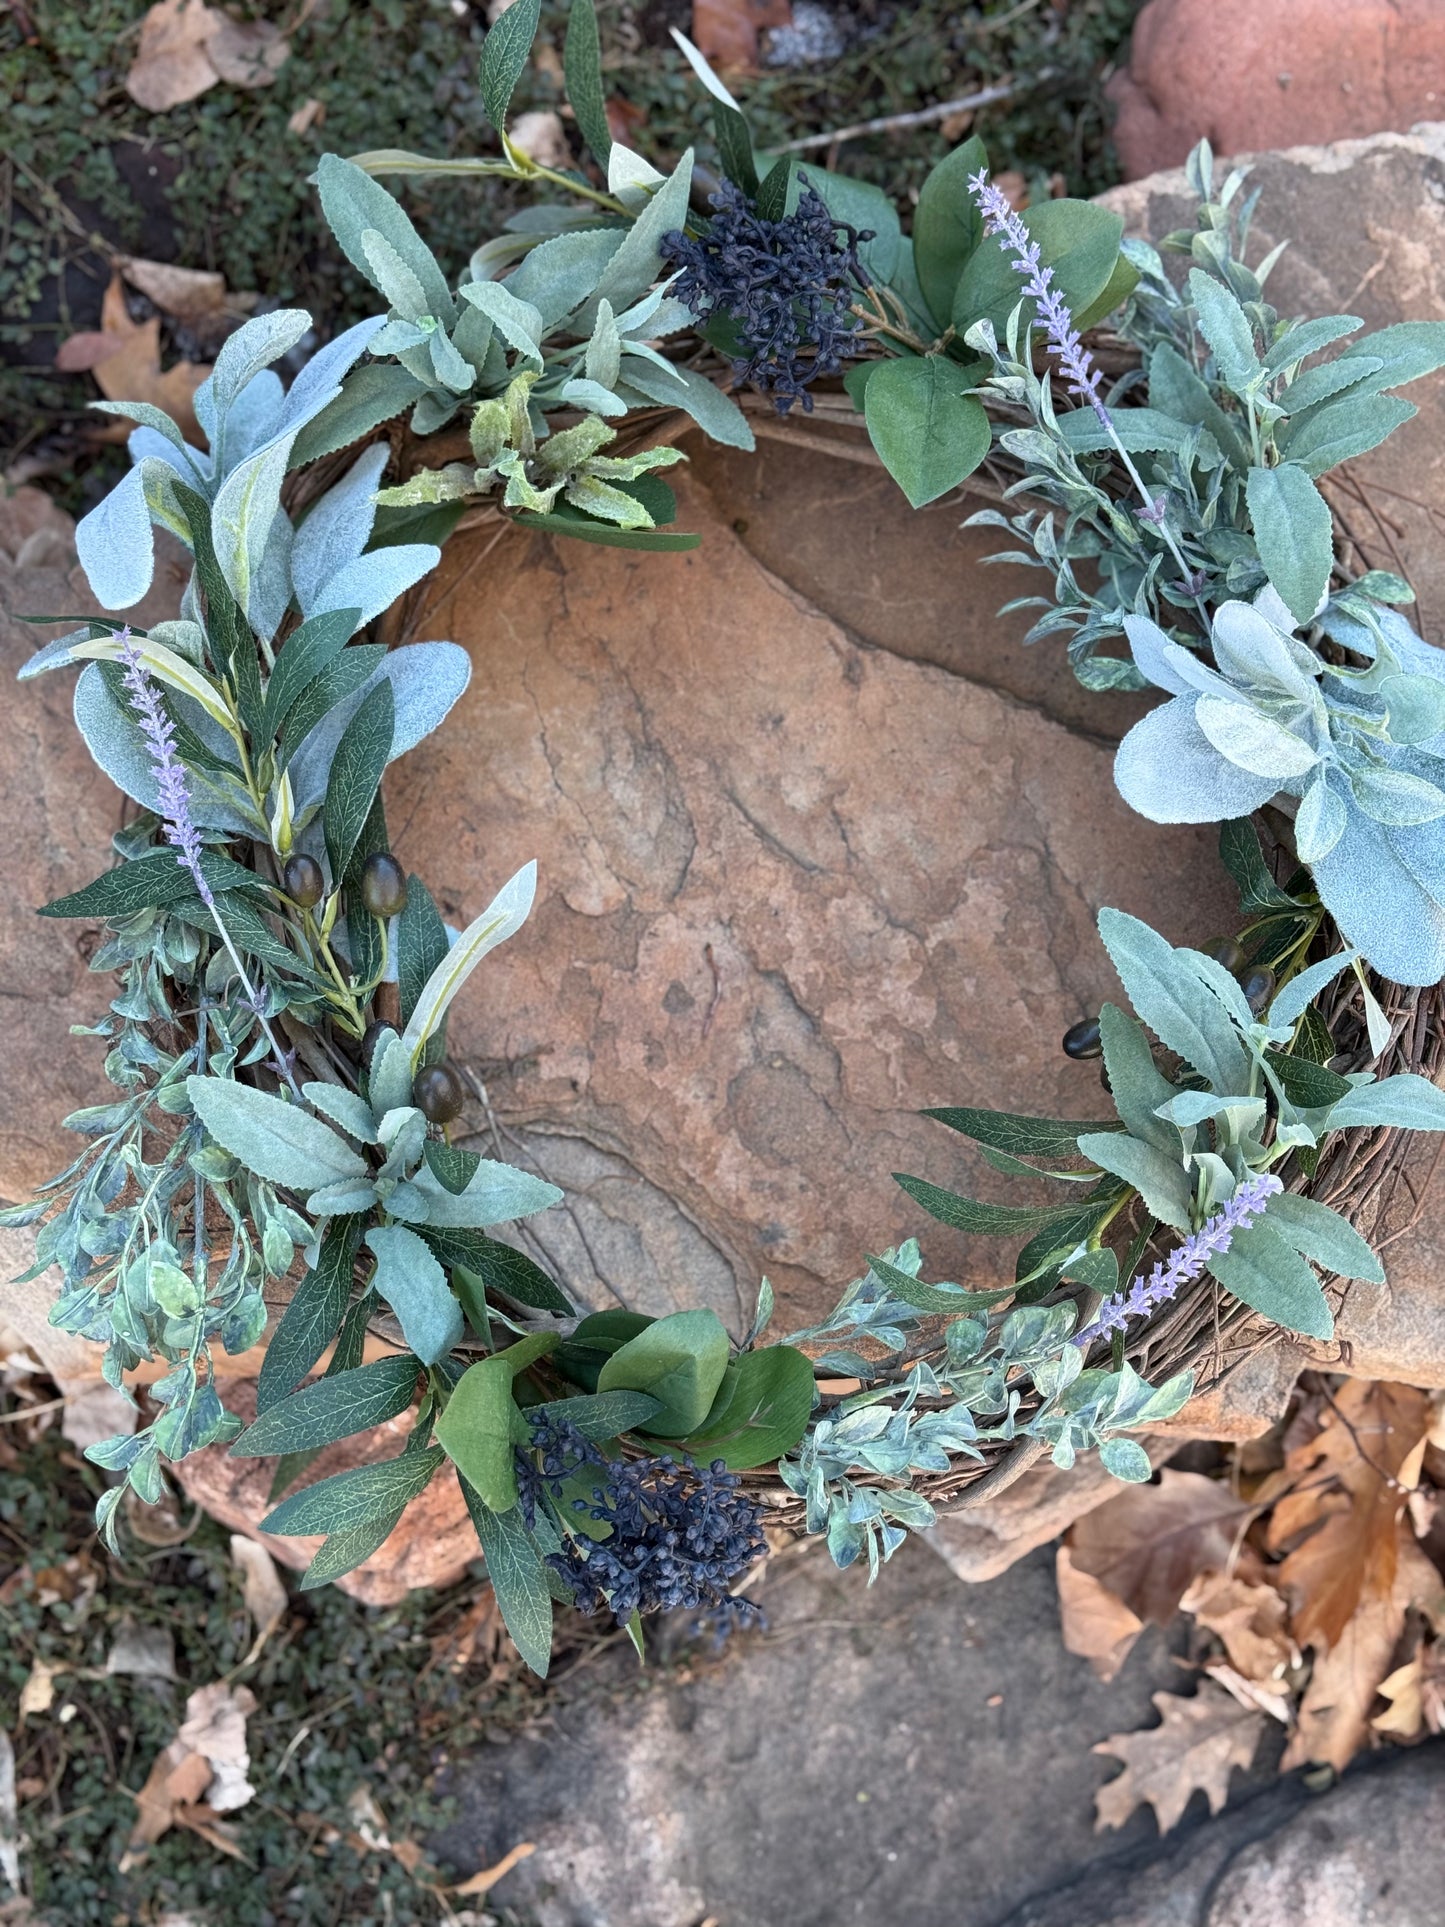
1194	1750
1147	1544
1096	1625
171	65
1350	1483
1334	1714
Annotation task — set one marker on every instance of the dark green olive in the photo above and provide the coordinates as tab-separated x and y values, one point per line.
302	880
383	885
1258	987
437	1093
371	1038
1083	1040
1230	952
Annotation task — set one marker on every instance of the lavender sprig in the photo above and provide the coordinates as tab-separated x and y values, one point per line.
1066	345
174	798
1186	1261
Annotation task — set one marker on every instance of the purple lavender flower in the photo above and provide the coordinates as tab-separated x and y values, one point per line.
1186	1261
999	217
171	787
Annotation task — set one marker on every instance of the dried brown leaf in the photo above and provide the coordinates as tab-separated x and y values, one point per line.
1096	1625
37	1695
1405	1690
194	296
727	30
1194	1750
79	353
143	1652
542	138
215	1727
171	64
1147	1544
1350	1482
309	114
246	53
1334	1715
178	1777
483	1882
261	1587
1250	1622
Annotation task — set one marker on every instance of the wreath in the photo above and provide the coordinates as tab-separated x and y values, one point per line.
277	1037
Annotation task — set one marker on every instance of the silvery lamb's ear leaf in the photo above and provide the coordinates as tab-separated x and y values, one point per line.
1183	1014
319	382
1250	649
1295	534
271	590
255	414
1168	770
1139	1088
246	505
496	1194
630	178
143	443
518	322
717	414
353	202
1407	350
114	740
638	262
1254	742
450	368
1225	326
1406	1102
1337	431
337	528
55	655
604	349
426	679
415	1286
1319	1233
503	916
273	1139
254	346
1380	906
1415	706
372	395
373	582
1289	1006
343	1107
146	415
115	545
389	1086
1159	1179
1272	1278
559	275
394	278
1150	647
587	394
1395	798
1320	821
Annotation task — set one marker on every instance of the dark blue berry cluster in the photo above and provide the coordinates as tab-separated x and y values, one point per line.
680	1533
788	287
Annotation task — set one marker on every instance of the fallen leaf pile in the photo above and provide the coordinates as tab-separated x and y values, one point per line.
186	47
1311	1569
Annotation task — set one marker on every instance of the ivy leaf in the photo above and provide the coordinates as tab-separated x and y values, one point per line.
411	1281
680	1360
761	1410
275	1140
504	55
928	430
514	1566
331	1408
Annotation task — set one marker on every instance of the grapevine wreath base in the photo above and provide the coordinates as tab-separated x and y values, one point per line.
278	1034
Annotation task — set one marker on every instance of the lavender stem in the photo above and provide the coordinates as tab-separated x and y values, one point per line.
1065	344
174	797
1185	1262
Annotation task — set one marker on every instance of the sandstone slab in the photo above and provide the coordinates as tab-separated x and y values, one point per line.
792	889
1248	76
59	813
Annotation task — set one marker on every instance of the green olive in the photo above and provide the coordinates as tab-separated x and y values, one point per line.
1083	1040
383	885
437	1093
1258	987
302	880
1230	952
